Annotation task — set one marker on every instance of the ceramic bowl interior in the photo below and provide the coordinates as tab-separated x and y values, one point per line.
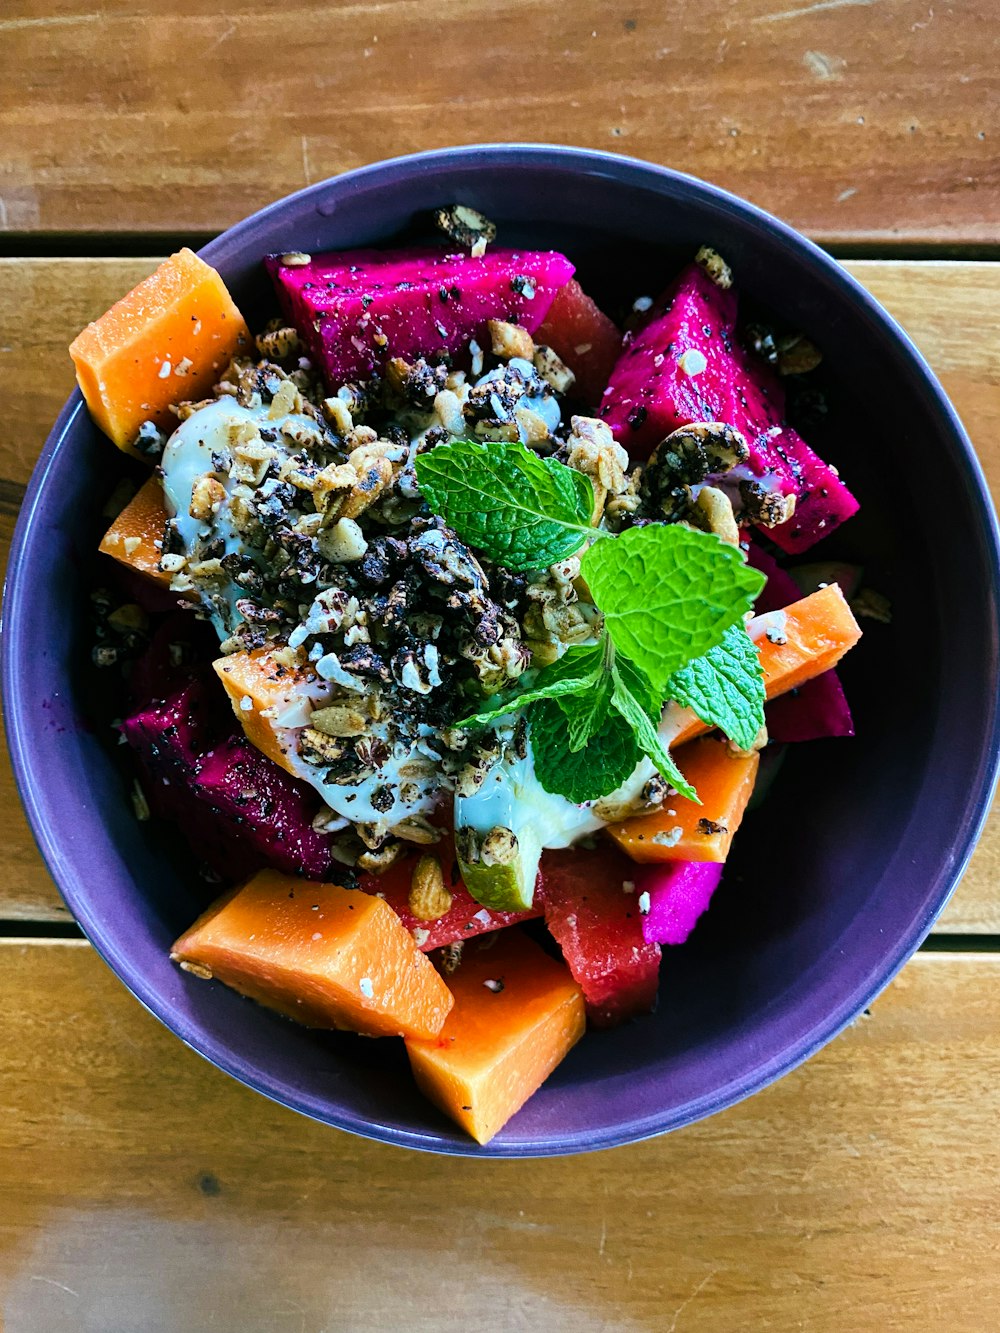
836	878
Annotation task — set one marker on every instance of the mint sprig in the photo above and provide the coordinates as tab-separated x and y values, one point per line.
524	511
672	600
668	594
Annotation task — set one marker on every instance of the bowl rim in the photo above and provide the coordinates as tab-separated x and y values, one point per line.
624	170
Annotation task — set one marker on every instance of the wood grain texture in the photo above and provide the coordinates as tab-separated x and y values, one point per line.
144	1191
949	308
873	120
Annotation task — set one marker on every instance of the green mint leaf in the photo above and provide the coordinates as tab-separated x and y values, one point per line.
668	594
586	712
524	511
725	687
630	697
577	671
606	761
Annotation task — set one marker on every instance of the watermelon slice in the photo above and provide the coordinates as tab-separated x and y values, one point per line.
679	891
595	920
684	365
463	921
582	335
356	309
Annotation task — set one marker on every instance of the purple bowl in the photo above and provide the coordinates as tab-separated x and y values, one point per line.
836	879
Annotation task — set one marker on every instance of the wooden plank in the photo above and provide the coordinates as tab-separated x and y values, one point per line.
144	1190
949	308
854	119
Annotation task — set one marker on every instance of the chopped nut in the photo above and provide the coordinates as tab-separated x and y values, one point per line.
448	410
464	225
367	488
296	259
715	266
382	859
343	543
338	720
532	428
429	899
172	564
716	508
207	494
338	414
769	509
510	340
553	370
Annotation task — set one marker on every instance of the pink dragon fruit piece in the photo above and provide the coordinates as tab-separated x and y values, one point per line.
816	710
265	807
679	891
684	365
356	309
823	502
236	808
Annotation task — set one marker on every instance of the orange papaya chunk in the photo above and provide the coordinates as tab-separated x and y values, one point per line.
261	691
326	956
517	1013
165	342
802	641
133	536
682	830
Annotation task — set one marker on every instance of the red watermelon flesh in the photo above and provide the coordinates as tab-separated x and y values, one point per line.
356	309
463	921
583	336
597	924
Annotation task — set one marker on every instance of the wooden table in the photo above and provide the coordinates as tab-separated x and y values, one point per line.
142	1190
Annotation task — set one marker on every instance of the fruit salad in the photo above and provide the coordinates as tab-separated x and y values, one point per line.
454	618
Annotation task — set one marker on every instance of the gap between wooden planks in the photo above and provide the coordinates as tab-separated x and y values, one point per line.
144	1190
948	307
856	120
